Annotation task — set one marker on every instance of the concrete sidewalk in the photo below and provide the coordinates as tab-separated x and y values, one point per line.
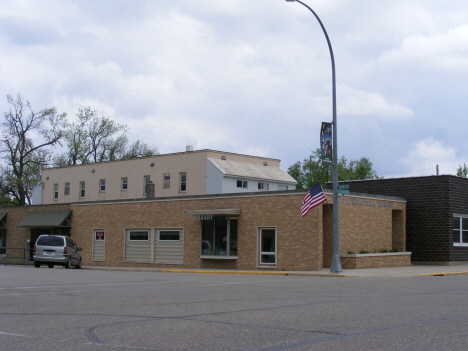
408	271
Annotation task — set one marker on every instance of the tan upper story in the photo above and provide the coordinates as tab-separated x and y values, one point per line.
178	174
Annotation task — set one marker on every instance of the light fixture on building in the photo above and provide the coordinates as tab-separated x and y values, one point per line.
223	157
152	164
47	177
92	171
265	163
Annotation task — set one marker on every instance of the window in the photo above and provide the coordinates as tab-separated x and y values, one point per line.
166	181
282	187
242	184
99	235
267	246
67	189
55	191
142	235
219	236
460	230
183	182
82	189
124	183
146	180
169	235
102	186
2	241
263	186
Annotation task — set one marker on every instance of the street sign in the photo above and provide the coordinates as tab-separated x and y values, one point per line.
344	192
343	187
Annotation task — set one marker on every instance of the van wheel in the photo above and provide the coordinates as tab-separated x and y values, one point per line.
50	265
67	264
37	264
78	266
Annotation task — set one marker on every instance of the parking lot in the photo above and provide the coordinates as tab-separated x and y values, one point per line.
60	309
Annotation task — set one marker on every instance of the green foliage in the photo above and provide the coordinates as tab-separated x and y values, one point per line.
364	252
462	171
312	170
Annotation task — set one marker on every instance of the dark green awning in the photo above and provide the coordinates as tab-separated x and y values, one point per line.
2	216
46	219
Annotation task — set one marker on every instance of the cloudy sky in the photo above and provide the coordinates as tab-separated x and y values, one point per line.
253	77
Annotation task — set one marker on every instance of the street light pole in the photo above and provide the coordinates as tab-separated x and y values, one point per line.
336	263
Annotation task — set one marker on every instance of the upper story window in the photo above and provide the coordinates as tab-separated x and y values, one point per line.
66	191
146	180
263	186
242	184
102	186
183	182
124	183
56	191
82	189
282	187
460	230
166	180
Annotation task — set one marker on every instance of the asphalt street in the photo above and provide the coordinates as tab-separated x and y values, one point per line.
59	309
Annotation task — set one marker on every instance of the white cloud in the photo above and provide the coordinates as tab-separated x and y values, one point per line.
368	104
445	51
427	154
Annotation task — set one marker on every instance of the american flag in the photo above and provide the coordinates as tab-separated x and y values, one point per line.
314	197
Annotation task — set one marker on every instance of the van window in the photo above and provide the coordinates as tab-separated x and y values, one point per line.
50	241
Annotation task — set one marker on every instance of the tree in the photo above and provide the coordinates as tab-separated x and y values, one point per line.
462	172
94	138
20	148
313	170
361	168
139	149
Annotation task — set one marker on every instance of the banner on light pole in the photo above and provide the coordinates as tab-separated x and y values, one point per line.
326	143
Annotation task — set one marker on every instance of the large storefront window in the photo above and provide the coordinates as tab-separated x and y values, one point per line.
219	236
460	230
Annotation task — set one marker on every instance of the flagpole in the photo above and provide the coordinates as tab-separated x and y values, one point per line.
336	263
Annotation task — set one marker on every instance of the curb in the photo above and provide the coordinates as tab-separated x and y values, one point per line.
255	273
199	271
443	274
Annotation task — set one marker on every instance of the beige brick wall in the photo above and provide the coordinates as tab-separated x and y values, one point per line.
298	239
302	243
389	260
363	226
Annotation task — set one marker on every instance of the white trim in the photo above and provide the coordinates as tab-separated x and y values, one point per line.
259	253
139	230
94	240
159	230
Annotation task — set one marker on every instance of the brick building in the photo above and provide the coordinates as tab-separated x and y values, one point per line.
251	231
436	217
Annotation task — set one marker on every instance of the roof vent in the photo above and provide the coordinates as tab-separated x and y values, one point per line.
189	148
